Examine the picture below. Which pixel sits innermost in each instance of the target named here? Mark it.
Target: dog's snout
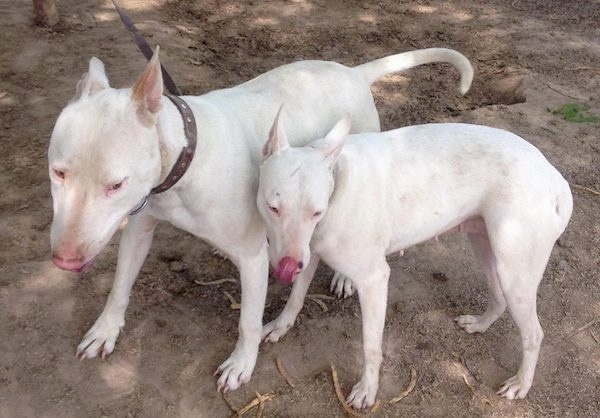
(70, 261)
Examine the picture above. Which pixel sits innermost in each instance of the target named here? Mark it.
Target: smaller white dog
(383, 192)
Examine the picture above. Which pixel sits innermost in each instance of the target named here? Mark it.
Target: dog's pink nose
(287, 268)
(75, 265)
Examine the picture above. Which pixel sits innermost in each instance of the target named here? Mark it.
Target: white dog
(383, 192)
(111, 147)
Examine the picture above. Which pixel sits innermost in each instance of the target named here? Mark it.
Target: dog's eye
(113, 187)
(116, 186)
(317, 214)
(59, 173)
(274, 210)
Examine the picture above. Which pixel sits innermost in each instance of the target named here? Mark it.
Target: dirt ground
(178, 331)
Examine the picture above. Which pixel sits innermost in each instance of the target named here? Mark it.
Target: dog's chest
(181, 211)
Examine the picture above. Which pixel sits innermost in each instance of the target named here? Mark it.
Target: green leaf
(577, 113)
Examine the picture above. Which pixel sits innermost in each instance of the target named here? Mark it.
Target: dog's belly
(475, 225)
(471, 225)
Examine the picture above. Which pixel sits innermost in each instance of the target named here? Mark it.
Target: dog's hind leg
(496, 303)
(277, 328)
(341, 286)
(522, 306)
(372, 292)
(520, 265)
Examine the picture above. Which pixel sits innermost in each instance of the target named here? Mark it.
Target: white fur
(111, 146)
(387, 191)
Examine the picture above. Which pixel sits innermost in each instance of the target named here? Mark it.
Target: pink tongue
(286, 269)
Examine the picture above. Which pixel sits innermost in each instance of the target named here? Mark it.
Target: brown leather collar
(185, 156)
(187, 153)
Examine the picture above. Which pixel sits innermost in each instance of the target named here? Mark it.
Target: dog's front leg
(133, 249)
(277, 328)
(372, 293)
(254, 276)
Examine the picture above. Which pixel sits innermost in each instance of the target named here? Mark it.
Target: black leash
(189, 122)
(142, 44)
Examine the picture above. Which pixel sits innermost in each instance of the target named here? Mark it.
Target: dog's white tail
(374, 70)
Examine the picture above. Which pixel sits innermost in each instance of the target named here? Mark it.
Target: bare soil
(530, 57)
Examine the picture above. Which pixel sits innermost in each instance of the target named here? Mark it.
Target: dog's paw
(341, 286)
(472, 323)
(235, 371)
(514, 388)
(276, 329)
(362, 395)
(101, 338)
(219, 253)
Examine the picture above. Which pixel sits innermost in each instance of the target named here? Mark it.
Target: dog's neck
(171, 137)
(338, 179)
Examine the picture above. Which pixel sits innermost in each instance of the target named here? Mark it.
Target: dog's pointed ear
(94, 80)
(277, 141)
(331, 146)
(148, 89)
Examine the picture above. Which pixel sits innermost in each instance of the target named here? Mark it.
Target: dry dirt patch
(178, 332)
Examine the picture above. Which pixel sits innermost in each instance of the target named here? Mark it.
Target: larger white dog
(384, 192)
(110, 147)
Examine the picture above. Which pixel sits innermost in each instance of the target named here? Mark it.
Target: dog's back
(438, 175)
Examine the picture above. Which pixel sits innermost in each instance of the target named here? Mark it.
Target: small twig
(340, 395)
(475, 394)
(261, 405)
(409, 388)
(317, 298)
(463, 361)
(260, 410)
(234, 305)
(587, 189)
(594, 337)
(548, 130)
(256, 401)
(215, 282)
(464, 376)
(583, 327)
(375, 407)
(283, 373)
(586, 68)
(320, 296)
(229, 404)
(318, 302)
(564, 94)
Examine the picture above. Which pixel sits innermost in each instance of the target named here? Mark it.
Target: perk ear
(94, 80)
(277, 141)
(148, 90)
(331, 146)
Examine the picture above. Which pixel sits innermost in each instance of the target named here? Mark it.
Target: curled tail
(374, 70)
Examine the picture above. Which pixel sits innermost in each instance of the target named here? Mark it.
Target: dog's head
(103, 160)
(295, 185)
